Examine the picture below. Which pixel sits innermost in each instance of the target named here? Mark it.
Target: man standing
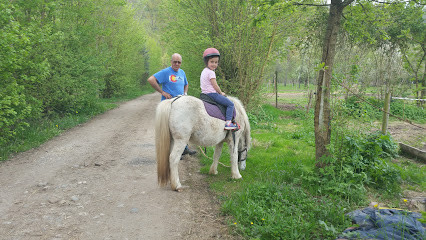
(173, 83)
(172, 79)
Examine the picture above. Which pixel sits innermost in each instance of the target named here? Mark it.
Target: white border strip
(411, 99)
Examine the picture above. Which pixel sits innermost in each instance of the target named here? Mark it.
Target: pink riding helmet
(209, 52)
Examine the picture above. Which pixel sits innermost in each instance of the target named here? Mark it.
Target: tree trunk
(386, 109)
(423, 93)
(322, 118)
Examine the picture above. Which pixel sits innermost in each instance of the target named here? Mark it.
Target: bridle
(240, 153)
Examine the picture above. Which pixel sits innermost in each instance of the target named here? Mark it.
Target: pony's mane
(242, 119)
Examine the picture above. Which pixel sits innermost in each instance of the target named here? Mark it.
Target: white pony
(184, 120)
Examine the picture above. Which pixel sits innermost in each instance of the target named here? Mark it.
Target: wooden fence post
(276, 89)
(386, 109)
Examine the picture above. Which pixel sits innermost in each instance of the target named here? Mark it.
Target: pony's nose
(242, 165)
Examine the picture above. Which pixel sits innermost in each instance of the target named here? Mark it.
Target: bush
(14, 110)
(356, 163)
(367, 155)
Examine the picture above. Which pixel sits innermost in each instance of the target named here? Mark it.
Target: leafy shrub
(357, 108)
(13, 110)
(336, 179)
(367, 155)
(355, 164)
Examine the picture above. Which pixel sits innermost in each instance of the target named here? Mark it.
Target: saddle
(213, 108)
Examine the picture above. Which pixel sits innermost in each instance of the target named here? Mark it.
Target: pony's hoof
(237, 176)
(180, 188)
(213, 172)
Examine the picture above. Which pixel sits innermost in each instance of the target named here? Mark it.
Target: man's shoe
(188, 151)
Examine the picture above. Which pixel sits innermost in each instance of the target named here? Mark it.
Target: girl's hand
(223, 94)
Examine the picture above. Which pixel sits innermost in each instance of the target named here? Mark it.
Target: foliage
(154, 57)
(396, 32)
(423, 219)
(58, 58)
(407, 110)
(240, 30)
(40, 130)
(14, 110)
(357, 154)
(369, 109)
(366, 155)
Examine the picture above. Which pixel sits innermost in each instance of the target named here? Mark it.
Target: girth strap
(176, 98)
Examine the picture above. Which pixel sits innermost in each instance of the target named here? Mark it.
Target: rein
(239, 152)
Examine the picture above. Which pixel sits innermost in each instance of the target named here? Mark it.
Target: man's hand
(166, 95)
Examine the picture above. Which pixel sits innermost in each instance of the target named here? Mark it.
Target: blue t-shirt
(171, 81)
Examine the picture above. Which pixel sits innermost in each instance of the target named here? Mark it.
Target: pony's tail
(162, 141)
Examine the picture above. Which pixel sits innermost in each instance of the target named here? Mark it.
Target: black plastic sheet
(395, 224)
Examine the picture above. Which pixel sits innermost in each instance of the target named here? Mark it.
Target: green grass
(413, 173)
(42, 130)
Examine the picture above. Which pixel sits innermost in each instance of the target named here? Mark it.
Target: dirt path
(98, 181)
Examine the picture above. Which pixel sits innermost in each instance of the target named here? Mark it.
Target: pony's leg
(175, 155)
(233, 151)
(216, 156)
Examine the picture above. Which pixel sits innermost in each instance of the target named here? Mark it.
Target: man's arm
(153, 81)
(185, 90)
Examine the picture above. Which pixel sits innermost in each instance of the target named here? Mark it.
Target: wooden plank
(412, 151)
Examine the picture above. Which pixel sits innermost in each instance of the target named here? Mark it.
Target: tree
(394, 28)
(408, 32)
(322, 120)
(247, 33)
